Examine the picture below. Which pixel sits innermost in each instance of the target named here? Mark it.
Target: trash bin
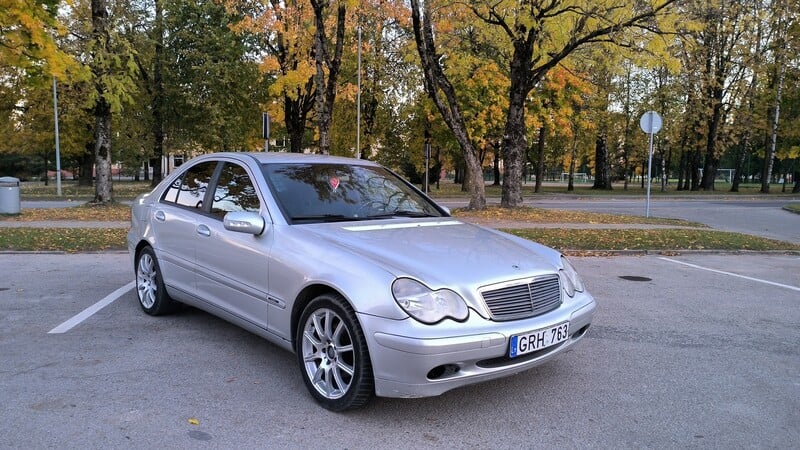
(9, 195)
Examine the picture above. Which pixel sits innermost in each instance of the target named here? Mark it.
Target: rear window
(190, 189)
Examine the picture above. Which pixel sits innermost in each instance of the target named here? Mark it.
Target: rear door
(175, 220)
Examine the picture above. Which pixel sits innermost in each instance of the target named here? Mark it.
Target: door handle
(203, 230)
(160, 216)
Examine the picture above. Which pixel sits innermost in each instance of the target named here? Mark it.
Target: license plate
(537, 340)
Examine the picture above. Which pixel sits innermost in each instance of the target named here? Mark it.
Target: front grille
(524, 300)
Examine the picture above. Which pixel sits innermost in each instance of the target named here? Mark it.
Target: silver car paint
(360, 260)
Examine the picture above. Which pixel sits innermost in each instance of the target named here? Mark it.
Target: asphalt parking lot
(686, 351)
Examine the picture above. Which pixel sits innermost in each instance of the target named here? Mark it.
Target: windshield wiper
(400, 213)
(322, 218)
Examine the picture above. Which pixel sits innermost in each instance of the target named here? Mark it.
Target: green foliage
(27, 31)
(212, 85)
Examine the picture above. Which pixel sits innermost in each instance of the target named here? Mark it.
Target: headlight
(426, 305)
(572, 281)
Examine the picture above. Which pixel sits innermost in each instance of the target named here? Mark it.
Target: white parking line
(786, 286)
(90, 311)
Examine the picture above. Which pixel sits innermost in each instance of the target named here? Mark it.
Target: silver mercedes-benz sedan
(374, 287)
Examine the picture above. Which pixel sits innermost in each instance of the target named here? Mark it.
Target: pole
(58, 146)
(265, 130)
(649, 164)
(427, 163)
(358, 98)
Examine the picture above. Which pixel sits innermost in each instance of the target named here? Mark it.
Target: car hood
(441, 252)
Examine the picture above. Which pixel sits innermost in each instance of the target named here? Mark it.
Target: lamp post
(58, 146)
(358, 97)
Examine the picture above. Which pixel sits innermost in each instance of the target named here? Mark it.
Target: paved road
(691, 358)
(764, 218)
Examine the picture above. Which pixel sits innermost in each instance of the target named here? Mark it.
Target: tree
(101, 55)
(543, 34)
(327, 62)
(785, 24)
(27, 31)
(443, 94)
(286, 30)
(539, 35)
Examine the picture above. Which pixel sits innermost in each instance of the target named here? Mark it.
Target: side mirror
(244, 222)
(446, 209)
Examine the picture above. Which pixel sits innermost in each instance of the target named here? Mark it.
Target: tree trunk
(744, 150)
(573, 155)
(739, 163)
(515, 140)
(681, 169)
(770, 157)
(540, 145)
(628, 114)
(644, 172)
(602, 178)
(796, 177)
(436, 85)
(496, 168)
(711, 158)
(326, 89)
(102, 109)
(368, 116)
(102, 151)
(86, 161)
(158, 96)
(466, 180)
(694, 169)
(296, 111)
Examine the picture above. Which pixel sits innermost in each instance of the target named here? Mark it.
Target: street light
(58, 146)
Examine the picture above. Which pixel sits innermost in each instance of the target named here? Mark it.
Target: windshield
(311, 193)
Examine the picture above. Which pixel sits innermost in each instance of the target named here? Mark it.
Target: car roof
(293, 158)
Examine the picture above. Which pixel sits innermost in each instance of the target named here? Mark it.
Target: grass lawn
(71, 240)
(662, 239)
(793, 207)
(546, 215)
(123, 190)
(115, 212)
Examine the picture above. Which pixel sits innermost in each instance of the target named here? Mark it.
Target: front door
(232, 266)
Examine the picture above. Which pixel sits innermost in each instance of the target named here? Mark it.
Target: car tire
(332, 354)
(153, 297)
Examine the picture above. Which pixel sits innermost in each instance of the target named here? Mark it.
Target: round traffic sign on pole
(650, 122)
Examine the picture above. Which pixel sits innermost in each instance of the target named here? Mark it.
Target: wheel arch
(139, 247)
(305, 296)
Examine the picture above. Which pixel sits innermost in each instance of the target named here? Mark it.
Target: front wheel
(333, 355)
(153, 297)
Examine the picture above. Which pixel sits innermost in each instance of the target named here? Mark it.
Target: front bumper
(449, 355)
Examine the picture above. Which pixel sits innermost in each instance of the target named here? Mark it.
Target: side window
(190, 189)
(235, 192)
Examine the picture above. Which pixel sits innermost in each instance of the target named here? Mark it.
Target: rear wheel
(153, 297)
(333, 355)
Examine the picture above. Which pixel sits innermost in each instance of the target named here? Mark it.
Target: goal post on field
(579, 177)
(725, 175)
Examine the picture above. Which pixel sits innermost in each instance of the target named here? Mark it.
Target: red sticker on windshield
(334, 182)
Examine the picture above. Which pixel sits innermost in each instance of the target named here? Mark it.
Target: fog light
(442, 371)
